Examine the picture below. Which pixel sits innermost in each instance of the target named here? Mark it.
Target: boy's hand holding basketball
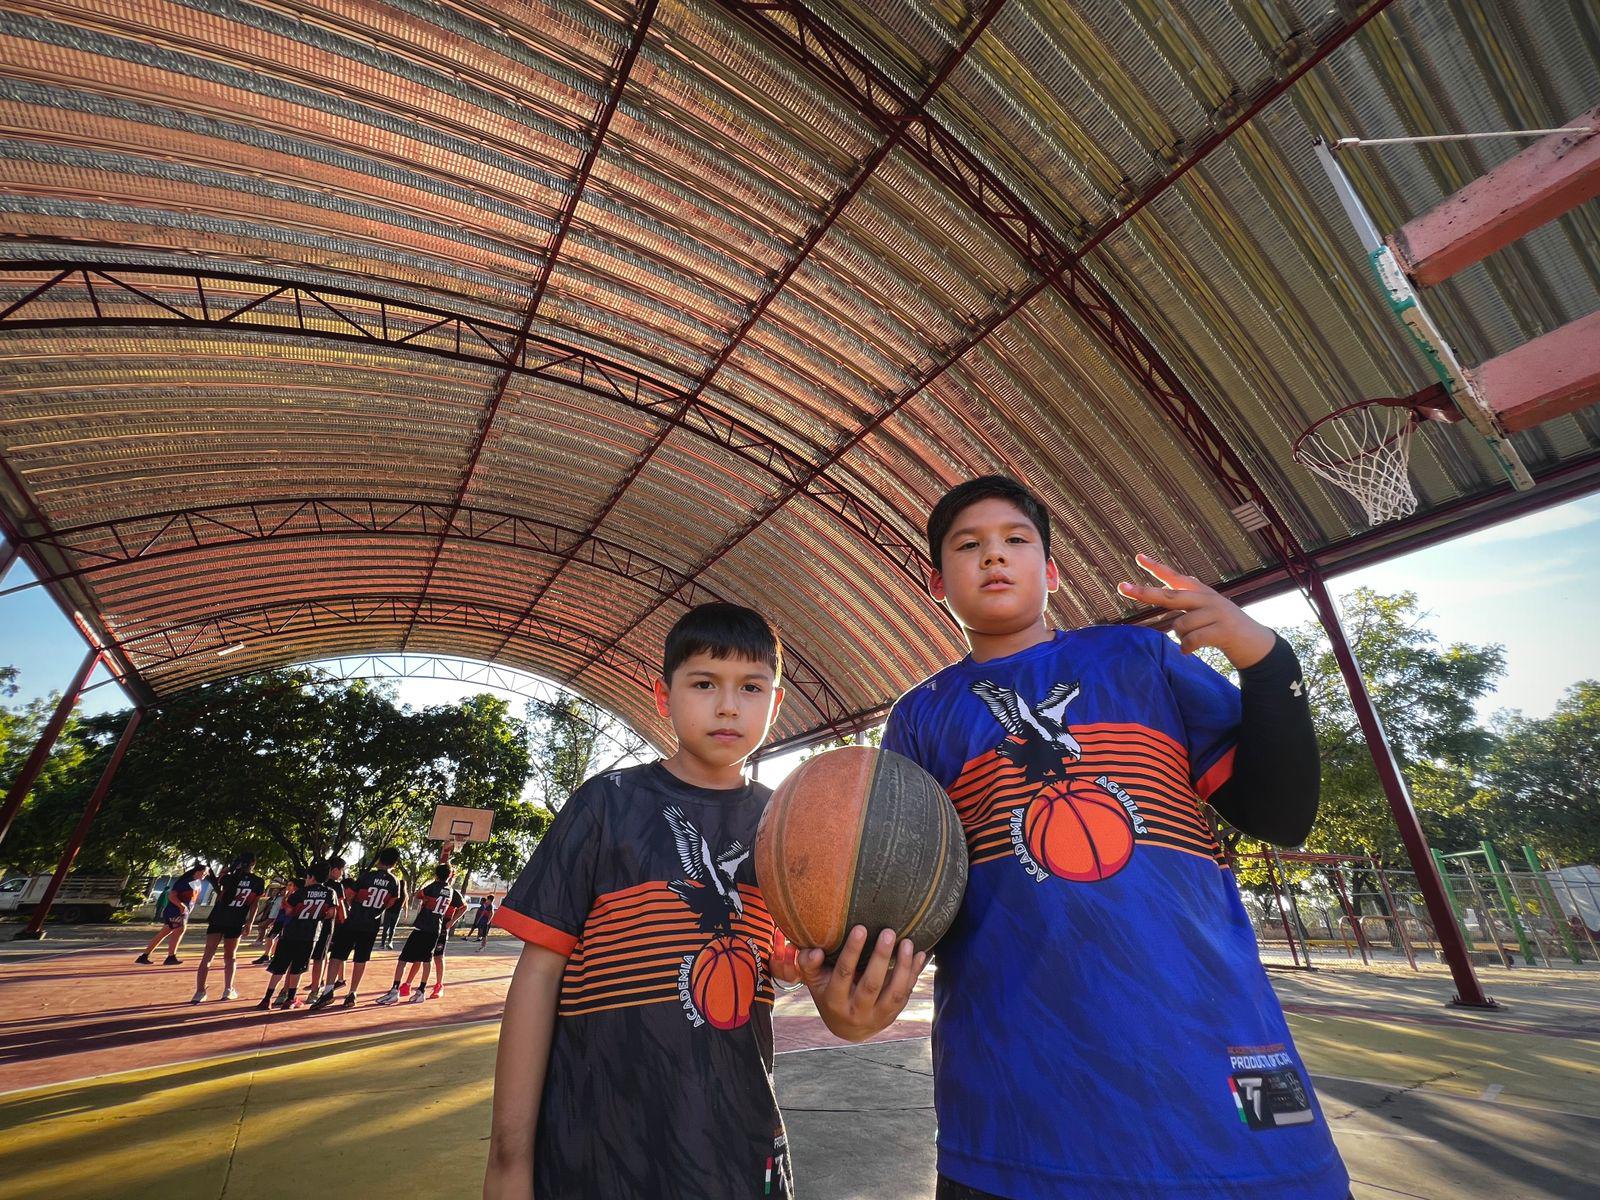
(1206, 617)
(855, 1005)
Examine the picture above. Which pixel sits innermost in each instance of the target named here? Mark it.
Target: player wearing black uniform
(438, 906)
(304, 906)
(331, 917)
(238, 892)
(367, 901)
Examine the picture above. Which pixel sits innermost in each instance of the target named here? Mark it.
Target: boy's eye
(754, 688)
(967, 545)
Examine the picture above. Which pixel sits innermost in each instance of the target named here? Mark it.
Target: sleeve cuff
(525, 927)
(1216, 775)
(1280, 665)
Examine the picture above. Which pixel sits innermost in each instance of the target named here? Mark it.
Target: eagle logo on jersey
(718, 984)
(1037, 740)
(717, 902)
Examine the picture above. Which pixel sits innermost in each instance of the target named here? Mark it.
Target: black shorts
(319, 948)
(422, 945)
(290, 958)
(353, 939)
(227, 926)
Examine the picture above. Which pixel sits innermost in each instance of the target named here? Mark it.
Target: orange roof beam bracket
(1555, 374)
(1549, 178)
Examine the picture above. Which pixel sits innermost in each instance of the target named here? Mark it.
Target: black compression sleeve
(1277, 772)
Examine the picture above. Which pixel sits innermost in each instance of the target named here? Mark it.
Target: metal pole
(1469, 992)
(1283, 913)
(8, 555)
(35, 929)
(1498, 874)
(47, 740)
(1486, 913)
(1394, 912)
(1558, 916)
(1351, 913)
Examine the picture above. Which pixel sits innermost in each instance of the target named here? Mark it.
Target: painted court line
(241, 1055)
(1492, 1092)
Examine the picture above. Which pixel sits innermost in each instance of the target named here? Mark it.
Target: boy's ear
(936, 584)
(663, 701)
(1052, 575)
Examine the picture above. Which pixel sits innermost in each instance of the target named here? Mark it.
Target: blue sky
(1531, 585)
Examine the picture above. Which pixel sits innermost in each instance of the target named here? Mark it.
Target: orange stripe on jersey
(1221, 771)
(537, 932)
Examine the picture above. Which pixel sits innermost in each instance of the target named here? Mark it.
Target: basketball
(722, 982)
(1077, 831)
(858, 836)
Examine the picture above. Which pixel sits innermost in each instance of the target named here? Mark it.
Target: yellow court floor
(364, 1115)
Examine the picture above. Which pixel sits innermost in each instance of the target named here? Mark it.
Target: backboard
(454, 824)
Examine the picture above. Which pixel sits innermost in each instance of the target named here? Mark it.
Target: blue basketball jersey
(1103, 1027)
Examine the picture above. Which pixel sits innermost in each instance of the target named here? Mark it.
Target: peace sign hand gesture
(1207, 618)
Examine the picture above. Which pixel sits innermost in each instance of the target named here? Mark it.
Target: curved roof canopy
(507, 330)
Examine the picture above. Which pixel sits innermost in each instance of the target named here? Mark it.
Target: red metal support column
(35, 928)
(1469, 992)
(8, 555)
(23, 783)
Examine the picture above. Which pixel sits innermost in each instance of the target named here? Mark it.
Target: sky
(1531, 585)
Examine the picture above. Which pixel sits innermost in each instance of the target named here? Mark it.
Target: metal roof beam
(602, 123)
(842, 201)
(288, 309)
(830, 57)
(842, 66)
(156, 537)
(1555, 374)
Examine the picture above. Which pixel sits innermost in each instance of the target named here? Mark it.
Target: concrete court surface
(1424, 1101)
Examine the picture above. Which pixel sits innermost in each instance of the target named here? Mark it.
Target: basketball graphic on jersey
(723, 980)
(1076, 830)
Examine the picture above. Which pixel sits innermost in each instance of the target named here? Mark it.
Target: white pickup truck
(81, 898)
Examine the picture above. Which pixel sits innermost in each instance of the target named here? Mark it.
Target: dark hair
(388, 856)
(442, 872)
(318, 871)
(985, 487)
(243, 859)
(722, 631)
(335, 861)
(203, 868)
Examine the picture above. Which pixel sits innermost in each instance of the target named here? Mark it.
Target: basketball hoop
(1365, 448)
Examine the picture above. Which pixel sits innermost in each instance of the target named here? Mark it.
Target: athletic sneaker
(334, 987)
(437, 992)
(350, 1000)
(172, 960)
(392, 996)
(145, 959)
(266, 1001)
(287, 1001)
(405, 989)
(419, 997)
(324, 998)
(263, 960)
(199, 998)
(230, 994)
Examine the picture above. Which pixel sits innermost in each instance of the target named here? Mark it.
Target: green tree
(572, 739)
(1542, 782)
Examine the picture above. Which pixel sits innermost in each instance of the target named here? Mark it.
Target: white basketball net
(1367, 452)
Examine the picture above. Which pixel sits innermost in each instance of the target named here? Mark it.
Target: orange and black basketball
(722, 981)
(858, 836)
(1077, 831)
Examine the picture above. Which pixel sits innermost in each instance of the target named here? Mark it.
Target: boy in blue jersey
(1103, 1028)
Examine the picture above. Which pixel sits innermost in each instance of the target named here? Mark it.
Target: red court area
(85, 1013)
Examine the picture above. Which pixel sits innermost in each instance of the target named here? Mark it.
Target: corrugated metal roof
(355, 403)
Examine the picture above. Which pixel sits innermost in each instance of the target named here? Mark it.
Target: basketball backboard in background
(457, 825)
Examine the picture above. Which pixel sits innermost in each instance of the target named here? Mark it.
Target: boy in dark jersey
(332, 916)
(636, 1047)
(367, 899)
(303, 910)
(238, 893)
(1103, 1028)
(174, 916)
(438, 905)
